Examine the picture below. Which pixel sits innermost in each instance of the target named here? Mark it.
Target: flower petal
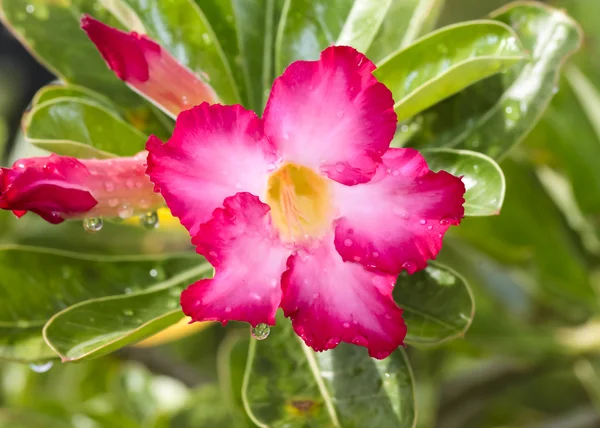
(330, 301)
(52, 187)
(147, 68)
(397, 221)
(332, 115)
(249, 260)
(215, 151)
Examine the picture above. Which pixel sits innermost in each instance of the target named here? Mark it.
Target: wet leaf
(447, 61)
(481, 175)
(437, 304)
(362, 23)
(492, 116)
(29, 297)
(96, 327)
(81, 128)
(287, 383)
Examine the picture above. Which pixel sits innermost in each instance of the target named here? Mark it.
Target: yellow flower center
(300, 202)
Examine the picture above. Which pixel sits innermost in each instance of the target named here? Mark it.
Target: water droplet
(261, 331)
(125, 211)
(357, 258)
(206, 38)
(422, 221)
(396, 172)
(113, 202)
(127, 312)
(184, 100)
(316, 296)
(129, 184)
(274, 282)
(346, 325)
(30, 8)
(348, 242)
(375, 254)
(404, 128)
(109, 186)
(340, 113)
(509, 110)
(555, 90)
(430, 227)
(445, 221)
(409, 266)
(153, 273)
(128, 290)
(149, 220)
(442, 49)
(271, 166)
(41, 367)
(92, 224)
(340, 167)
(228, 309)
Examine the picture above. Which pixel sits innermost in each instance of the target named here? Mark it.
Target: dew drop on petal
(430, 227)
(41, 367)
(228, 309)
(348, 242)
(113, 202)
(109, 186)
(261, 331)
(375, 254)
(346, 325)
(340, 167)
(125, 211)
(409, 266)
(92, 224)
(316, 296)
(422, 221)
(149, 220)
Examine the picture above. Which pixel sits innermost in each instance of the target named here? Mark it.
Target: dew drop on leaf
(92, 224)
(261, 331)
(41, 367)
(149, 220)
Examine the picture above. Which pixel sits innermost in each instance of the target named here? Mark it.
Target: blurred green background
(531, 357)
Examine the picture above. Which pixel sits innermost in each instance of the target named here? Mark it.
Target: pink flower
(306, 208)
(147, 68)
(61, 187)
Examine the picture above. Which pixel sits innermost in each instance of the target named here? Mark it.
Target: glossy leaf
(181, 27)
(99, 326)
(362, 23)
(405, 21)
(81, 128)
(447, 61)
(437, 304)
(29, 297)
(50, 31)
(306, 28)
(53, 91)
(287, 384)
(494, 115)
(481, 175)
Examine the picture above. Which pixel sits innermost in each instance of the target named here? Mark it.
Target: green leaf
(287, 384)
(437, 302)
(482, 177)
(495, 114)
(306, 28)
(50, 31)
(181, 27)
(447, 61)
(53, 91)
(99, 326)
(362, 23)
(30, 296)
(81, 128)
(405, 21)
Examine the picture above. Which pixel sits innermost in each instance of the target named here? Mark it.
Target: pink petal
(215, 151)
(249, 260)
(147, 68)
(332, 115)
(62, 187)
(52, 187)
(121, 186)
(397, 221)
(330, 301)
